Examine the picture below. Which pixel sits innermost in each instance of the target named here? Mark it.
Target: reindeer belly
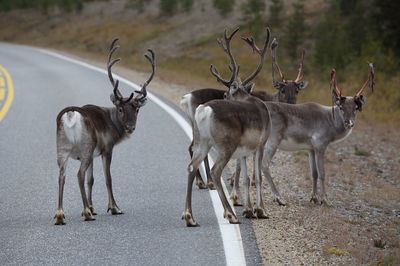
(291, 144)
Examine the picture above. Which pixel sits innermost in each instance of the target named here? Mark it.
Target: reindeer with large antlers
(312, 127)
(235, 129)
(189, 103)
(90, 131)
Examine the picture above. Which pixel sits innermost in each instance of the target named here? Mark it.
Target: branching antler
(370, 80)
(143, 92)
(226, 46)
(110, 64)
(274, 44)
(250, 41)
(300, 75)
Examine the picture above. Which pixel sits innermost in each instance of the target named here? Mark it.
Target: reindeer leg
(89, 182)
(252, 181)
(247, 210)
(259, 210)
(112, 205)
(236, 174)
(210, 182)
(199, 181)
(219, 165)
(81, 180)
(319, 159)
(236, 186)
(314, 173)
(199, 155)
(59, 216)
(272, 145)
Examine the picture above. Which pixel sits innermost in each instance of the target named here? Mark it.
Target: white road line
(231, 237)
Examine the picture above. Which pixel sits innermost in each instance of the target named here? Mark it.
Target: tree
(295, 29)
(224, 6)
(275, 11)
(253, 16)
(168, 7)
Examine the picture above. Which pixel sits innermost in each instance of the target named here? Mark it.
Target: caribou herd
(236, 122)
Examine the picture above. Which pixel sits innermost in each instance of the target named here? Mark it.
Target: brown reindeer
(90, 131)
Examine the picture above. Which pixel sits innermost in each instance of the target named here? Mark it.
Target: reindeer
(312, 127)
(287, 92)
(90, 131)
(235, 128)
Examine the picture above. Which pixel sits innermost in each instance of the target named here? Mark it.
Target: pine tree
(295, 30)
(253, 16)
(275, 11)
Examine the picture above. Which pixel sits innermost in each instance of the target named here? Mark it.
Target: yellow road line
(10, 93)
(2, 93)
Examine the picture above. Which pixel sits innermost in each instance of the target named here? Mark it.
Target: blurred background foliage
(335, 33)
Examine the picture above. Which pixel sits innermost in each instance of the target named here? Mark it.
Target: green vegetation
(336, 251)
(224, 6)
(360, 152)
(342, 34)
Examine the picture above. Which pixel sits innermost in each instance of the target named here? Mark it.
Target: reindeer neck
(337, 121)
(117, 128)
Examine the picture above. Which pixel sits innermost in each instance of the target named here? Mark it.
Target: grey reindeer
(287, 92)
(312, 127)
(90, 131)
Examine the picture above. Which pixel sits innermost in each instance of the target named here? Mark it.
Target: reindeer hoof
(248, 213)
(92, 210)
(280, 201)
(231, 217)
(59, 216)
(88, 214)
(200, 184)
(235, 200)
(259, 213)
(190, 222)
(210, 185)
(314, 199)
(115, 210)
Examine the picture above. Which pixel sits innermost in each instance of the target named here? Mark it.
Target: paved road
(148, 171)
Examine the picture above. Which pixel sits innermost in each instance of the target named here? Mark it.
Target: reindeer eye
(120, 109)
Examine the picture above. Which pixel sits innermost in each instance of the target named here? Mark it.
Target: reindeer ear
(302, 84)
(249, 87)
(142, 102)
(277, 85)
(114, 99)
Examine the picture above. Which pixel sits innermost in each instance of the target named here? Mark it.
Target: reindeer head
(237, 88)
(349, 106)
(128, 107)
(288, 89)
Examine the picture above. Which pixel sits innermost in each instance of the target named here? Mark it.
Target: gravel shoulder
(361, 226)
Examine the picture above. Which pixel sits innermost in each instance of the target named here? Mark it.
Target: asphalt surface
(149, 180)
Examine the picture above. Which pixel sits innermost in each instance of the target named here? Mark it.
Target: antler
(370, 80)
(226, 46)
(110, 64)
(334, 88)
(301, 73)
(151, 58)
(250, 41)
(274, 44)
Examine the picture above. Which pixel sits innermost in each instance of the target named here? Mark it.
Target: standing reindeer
(235, 128)
(312, 127)
(287, 92)
(90, 131)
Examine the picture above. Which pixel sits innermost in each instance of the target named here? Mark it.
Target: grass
(361, 152)
(336, 251)
(190, 66)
